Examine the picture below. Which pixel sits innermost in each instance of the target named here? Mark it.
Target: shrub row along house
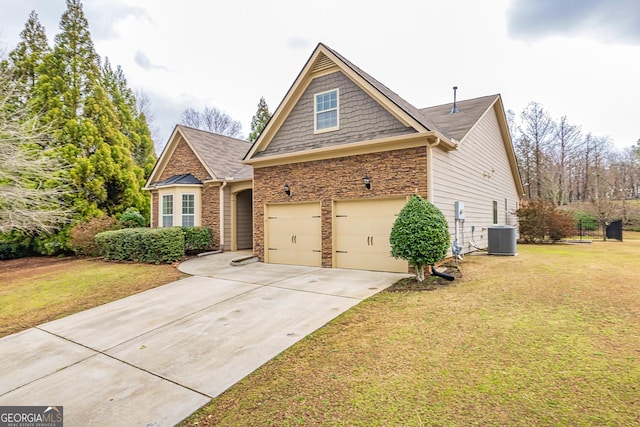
(338, 160)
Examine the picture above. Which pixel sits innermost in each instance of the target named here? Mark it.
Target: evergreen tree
(133, 123)
(31, 183)
(260, 120)
(24, 61)
(86, 128)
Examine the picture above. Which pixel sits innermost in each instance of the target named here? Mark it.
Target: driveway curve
(154, 358)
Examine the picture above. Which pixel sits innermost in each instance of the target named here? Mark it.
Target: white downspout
(224, 184)
(151, 210)
(430, 168)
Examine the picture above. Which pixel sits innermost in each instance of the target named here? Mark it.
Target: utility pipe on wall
(430, 146)
(224, 184)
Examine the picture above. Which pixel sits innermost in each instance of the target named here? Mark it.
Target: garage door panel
(294, 234)
(362, 229)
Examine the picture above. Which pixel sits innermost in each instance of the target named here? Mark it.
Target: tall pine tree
(87, 130)
(25, 60)
(260, 120)
(133, 123)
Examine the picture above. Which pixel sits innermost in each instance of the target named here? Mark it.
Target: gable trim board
(424, 158)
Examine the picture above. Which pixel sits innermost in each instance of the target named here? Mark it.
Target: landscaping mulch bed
(431, 283)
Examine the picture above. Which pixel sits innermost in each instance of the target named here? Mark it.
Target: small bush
(15, 245)
(149, 245)
(82, 236)
(197, 239)
(539, 219)
(132, 218)
(420, 235)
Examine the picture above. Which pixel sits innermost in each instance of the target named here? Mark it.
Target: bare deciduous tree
(31, 190)
(213, 120)
(537, 128)
(563, 152)
(143, 104)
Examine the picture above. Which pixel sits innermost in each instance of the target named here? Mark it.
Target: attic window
(326, 111)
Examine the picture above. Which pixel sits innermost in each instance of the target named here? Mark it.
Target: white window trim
(315, 111)
(162, 214)
(195, 208)
(177, 192)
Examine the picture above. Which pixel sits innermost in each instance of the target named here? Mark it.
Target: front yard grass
(43, 289)
(548, 337)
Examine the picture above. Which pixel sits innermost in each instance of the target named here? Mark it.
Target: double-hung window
(188, 210)
(326, 111)
(167, 210)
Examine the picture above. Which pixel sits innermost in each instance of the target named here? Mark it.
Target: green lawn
(550, 337)
(40, 289)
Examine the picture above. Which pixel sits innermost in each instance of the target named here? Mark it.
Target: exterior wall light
(287, 190)
(367, 182)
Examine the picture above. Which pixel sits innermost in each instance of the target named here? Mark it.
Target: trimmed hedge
(150, 245)
(153, 245)
(197, 239)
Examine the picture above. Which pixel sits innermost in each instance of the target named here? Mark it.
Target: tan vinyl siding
(227, 217)
(244, 220)
(476, 174)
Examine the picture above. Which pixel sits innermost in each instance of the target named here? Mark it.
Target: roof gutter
(224, 184)
(430, 145)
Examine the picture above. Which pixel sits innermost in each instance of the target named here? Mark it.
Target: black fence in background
(614, 230)
(590, 229)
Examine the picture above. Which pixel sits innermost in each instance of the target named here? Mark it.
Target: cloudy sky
(579, 58)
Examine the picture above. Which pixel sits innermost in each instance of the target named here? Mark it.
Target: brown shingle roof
(222, 154)
(457, 125)
(391, 95)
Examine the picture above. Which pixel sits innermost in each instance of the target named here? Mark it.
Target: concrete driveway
(154, 358)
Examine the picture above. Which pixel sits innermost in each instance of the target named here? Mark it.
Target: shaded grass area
(548, 337)
(39, 290)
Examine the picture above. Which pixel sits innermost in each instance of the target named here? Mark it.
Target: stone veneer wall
(183, 161)
(392, 173)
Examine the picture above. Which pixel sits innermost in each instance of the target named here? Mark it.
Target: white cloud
(611, 20)
(145, 63)
(229, 54)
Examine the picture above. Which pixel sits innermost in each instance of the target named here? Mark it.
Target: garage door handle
(371, 240)
(342, 252)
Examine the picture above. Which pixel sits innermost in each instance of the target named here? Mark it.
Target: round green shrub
(420, 235)
(132, 218)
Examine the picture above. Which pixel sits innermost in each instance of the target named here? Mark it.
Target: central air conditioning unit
(502, 240)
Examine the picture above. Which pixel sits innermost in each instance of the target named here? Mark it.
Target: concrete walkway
(154, 358)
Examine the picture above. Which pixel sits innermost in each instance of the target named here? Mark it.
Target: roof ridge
(459, 101)
(211, 133)
(388, 93)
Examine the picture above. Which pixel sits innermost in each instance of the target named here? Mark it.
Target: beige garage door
(293, 234)
(361, 230)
